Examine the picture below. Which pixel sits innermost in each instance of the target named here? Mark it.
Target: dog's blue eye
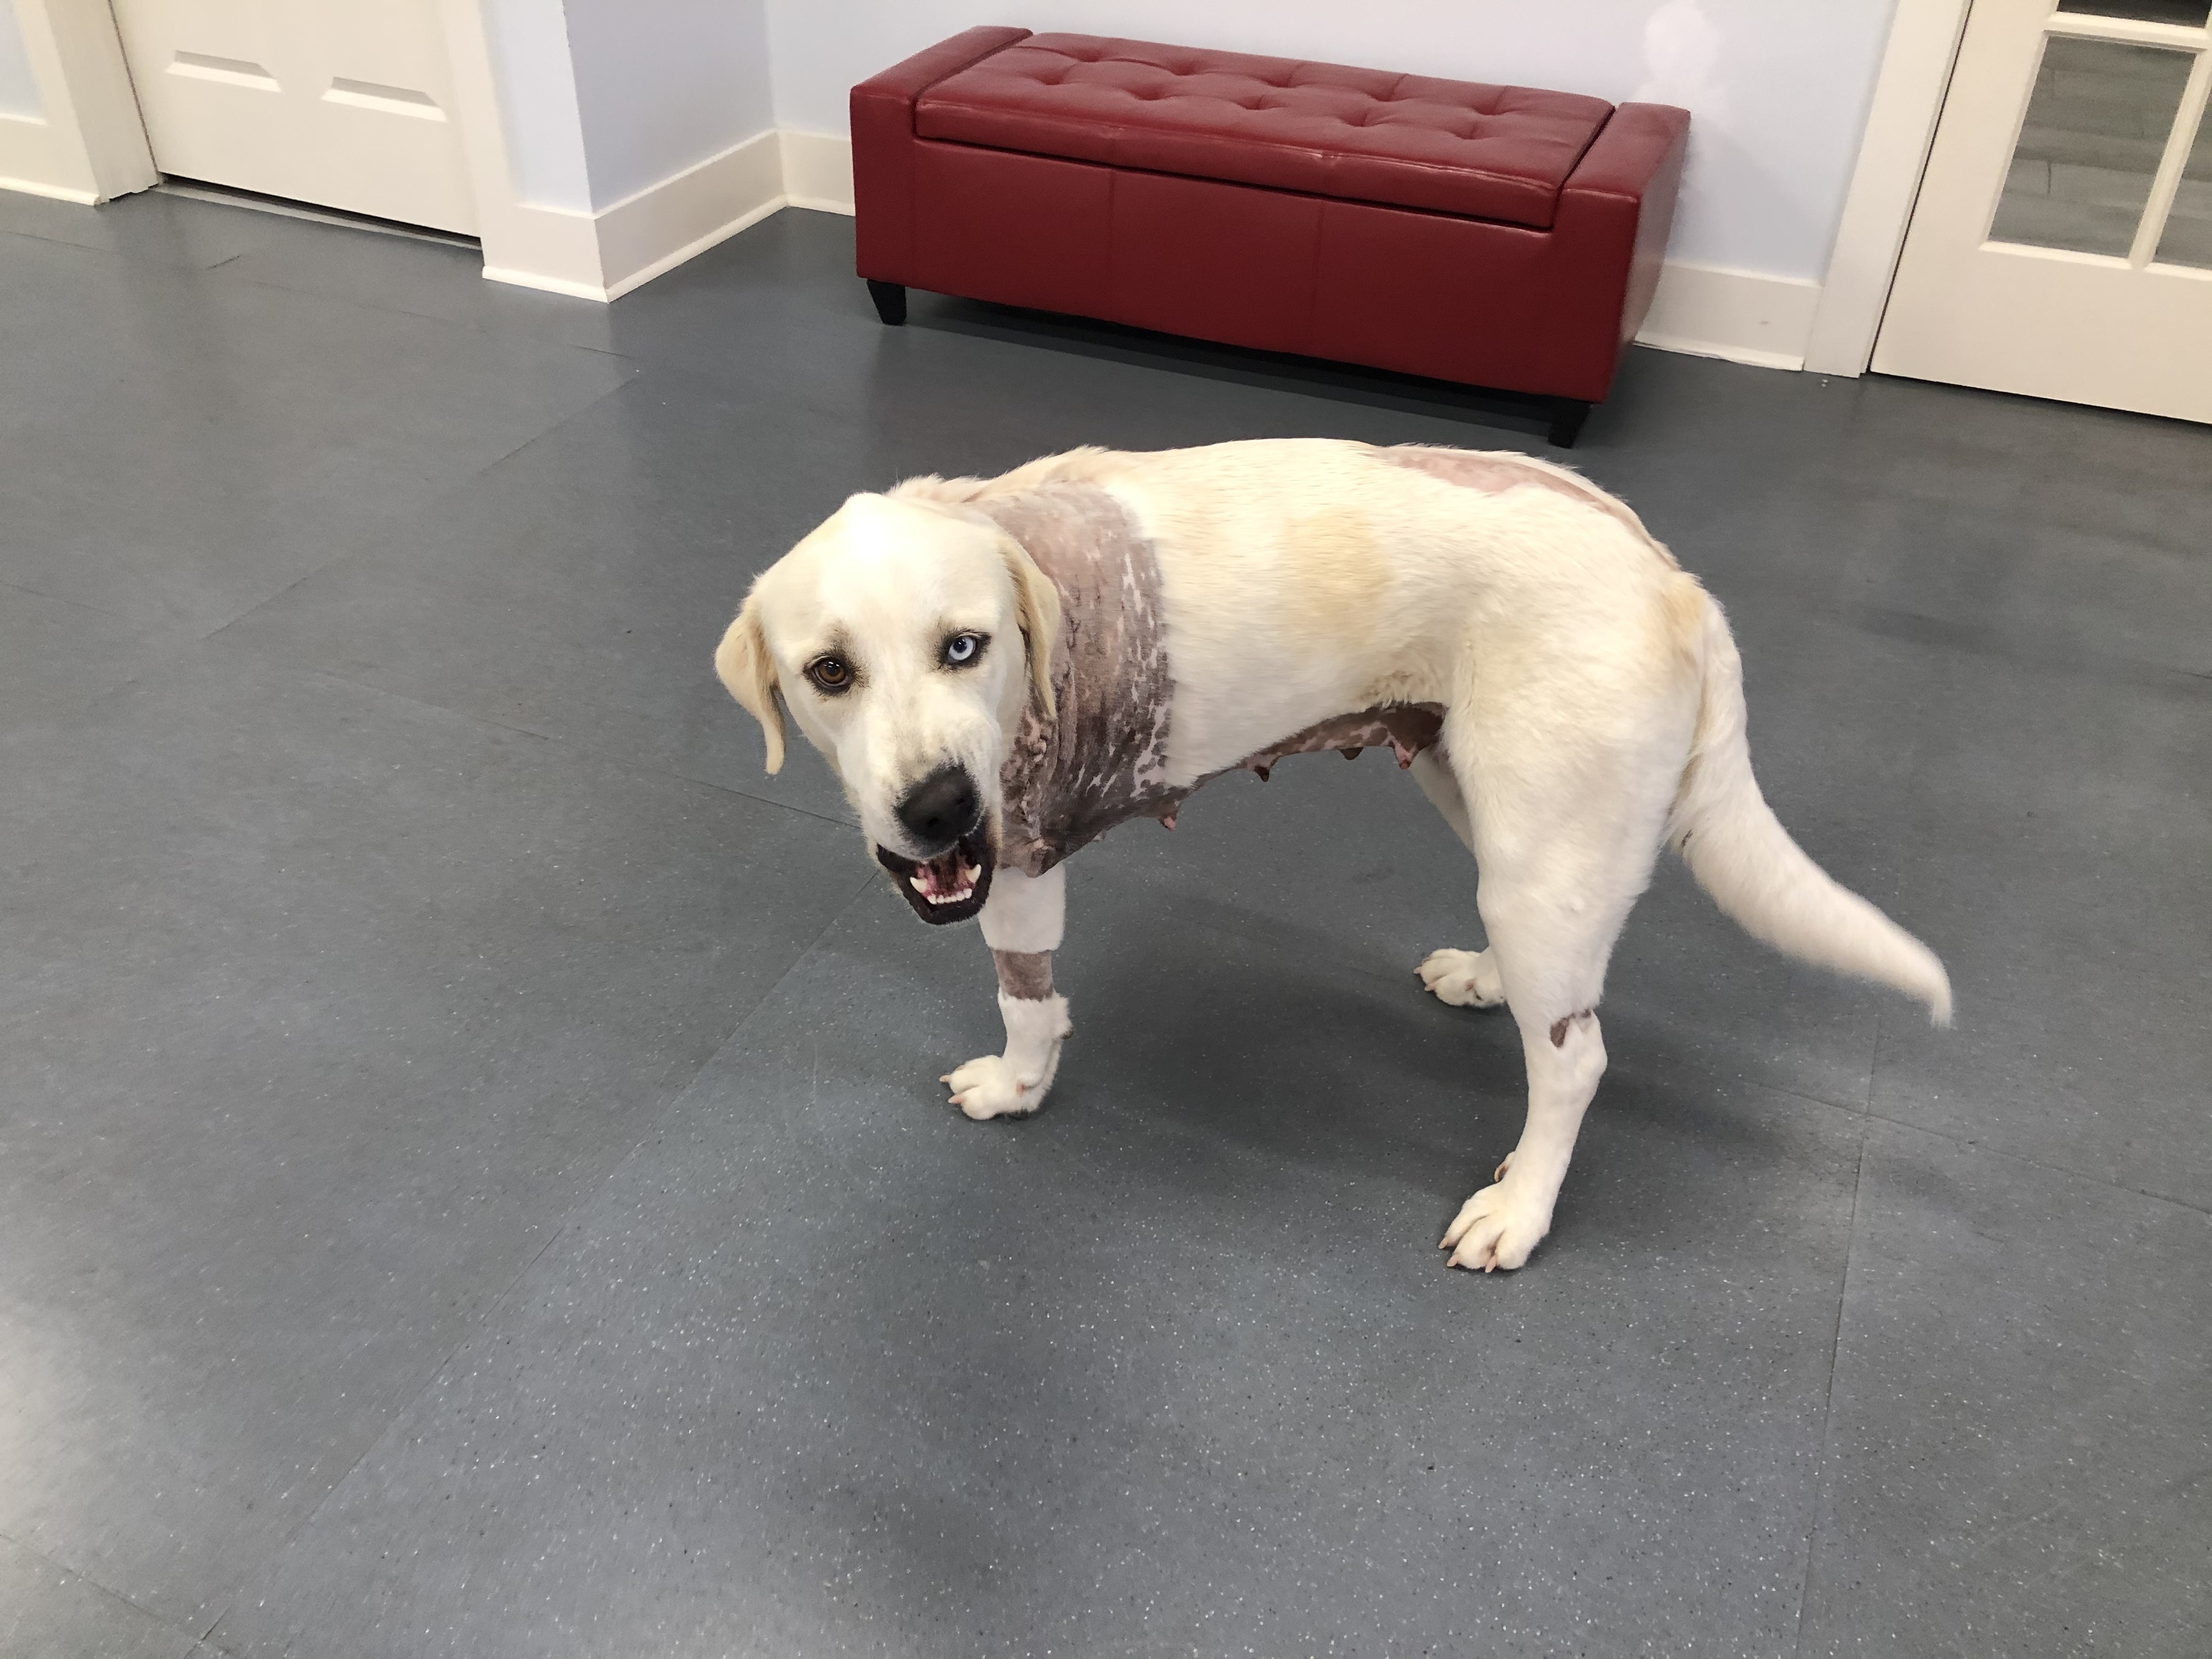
(961, 649)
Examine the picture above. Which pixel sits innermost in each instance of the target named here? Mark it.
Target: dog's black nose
(941, 808)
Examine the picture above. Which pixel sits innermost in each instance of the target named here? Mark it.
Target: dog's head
(905, 637)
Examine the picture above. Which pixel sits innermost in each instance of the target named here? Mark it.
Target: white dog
(1000, 670)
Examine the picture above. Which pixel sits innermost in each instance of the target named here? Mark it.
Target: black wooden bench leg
(1568, 415)
(891, 302)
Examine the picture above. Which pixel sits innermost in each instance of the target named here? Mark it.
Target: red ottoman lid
(1365, 135)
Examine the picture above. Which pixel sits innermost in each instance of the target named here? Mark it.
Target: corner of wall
(663, 225)
(817, 170)
(604, 255)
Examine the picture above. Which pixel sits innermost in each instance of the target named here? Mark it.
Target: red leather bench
(1496, 236)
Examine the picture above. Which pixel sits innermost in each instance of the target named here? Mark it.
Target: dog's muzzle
(950, 886)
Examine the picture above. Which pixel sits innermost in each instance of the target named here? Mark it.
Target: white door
(2061, 243)
(343, 103)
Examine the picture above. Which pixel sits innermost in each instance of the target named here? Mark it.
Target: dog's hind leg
(1567, 824)
(1466, 979)
(1023, 919)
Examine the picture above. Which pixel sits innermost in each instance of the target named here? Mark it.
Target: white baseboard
(36, 160)
(664, 224)
(1745, 316)
(52, 193)
(604, 255)
(1704, 310)
(547, 282)
(817, 170)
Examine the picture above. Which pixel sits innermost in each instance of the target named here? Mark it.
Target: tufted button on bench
(1496, 236)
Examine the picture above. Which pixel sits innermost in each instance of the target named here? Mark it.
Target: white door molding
(90, 146)
(86, 143)
(1908, 98)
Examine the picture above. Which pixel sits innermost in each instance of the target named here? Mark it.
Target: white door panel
(344, 103)
(2062, 242)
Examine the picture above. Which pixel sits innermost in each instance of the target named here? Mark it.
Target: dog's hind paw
(988, 1087)
(1466, 979)
(1496, 1228)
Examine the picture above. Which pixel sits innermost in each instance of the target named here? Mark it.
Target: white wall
(536, 87)
(662, 85)
(19, 87)
(636, 133)
(1778, 89)
(601, 99)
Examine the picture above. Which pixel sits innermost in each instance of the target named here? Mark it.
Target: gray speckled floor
(472, 1180)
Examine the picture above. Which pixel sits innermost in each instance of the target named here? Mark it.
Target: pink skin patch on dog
(1496, 473)
(1025, 975)
(1103, 759)
(1405, 728)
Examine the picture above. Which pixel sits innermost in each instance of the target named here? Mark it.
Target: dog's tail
(1741, 854)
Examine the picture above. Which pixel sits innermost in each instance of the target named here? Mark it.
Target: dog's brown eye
(830, 674)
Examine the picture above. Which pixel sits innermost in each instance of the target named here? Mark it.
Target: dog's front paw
(989, 1088)
(1496, 1228)
(1466, 979)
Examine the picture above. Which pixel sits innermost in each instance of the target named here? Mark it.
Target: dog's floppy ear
(743, 661)
(1038, 601)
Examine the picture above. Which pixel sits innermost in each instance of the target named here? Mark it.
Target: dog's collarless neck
(1102, 759)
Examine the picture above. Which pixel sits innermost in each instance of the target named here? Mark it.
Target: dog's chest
(1103, 760)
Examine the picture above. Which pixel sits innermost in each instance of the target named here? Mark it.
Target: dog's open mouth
(950, 887)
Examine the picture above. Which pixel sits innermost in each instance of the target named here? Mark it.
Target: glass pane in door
(2097, 124)
(2190, 14)
(2187, 238)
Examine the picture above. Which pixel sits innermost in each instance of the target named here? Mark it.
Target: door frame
(91, 145)
(1900, 131)
(87, 144)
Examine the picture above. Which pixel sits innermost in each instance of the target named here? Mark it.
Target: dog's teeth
(920, 885)
(970, 873)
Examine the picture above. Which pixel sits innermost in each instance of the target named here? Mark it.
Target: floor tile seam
(2043, 1164)
(1825, 1454)
(352, 301)
(402, 1405)
(1980, 640)
(63, 598)
(1845, 1107)
(1388, 976)
(613, 758)
(367, 539)
(106, 1590)
(104, 253)
(609, 756)
(80, 705)
(639, 363)
(499, 1302)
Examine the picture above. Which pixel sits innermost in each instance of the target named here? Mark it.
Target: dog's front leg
(1022, 922)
